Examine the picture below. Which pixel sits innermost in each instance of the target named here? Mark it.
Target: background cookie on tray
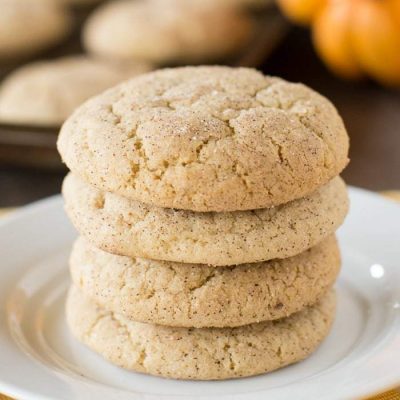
(45, 93)
(30, 26)
(166, 31)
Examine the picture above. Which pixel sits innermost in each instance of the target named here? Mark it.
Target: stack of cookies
(207, 199)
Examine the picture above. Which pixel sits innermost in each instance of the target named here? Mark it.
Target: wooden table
(371, 114)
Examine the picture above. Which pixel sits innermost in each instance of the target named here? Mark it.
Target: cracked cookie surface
(207, 353)
(127, 227)
(206, 139)
(191, 295)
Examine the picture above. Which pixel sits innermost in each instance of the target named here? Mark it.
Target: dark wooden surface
(371, 114)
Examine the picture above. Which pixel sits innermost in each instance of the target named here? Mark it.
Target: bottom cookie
(204, 353)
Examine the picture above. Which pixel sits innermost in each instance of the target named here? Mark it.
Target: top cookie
(206, 139)
(166, 31)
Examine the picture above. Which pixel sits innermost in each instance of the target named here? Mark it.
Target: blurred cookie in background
(30, 26)
(167, 31)
(45, 93)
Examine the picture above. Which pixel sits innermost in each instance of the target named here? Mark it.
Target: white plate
(40, 360)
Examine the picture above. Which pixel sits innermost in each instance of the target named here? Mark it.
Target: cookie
(126, 227)
(30, 26)
(164, 32)
(46, 93)
(206, 139)
(207, 353)
(193, 295)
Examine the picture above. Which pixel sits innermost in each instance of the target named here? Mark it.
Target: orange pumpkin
(359, 37)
